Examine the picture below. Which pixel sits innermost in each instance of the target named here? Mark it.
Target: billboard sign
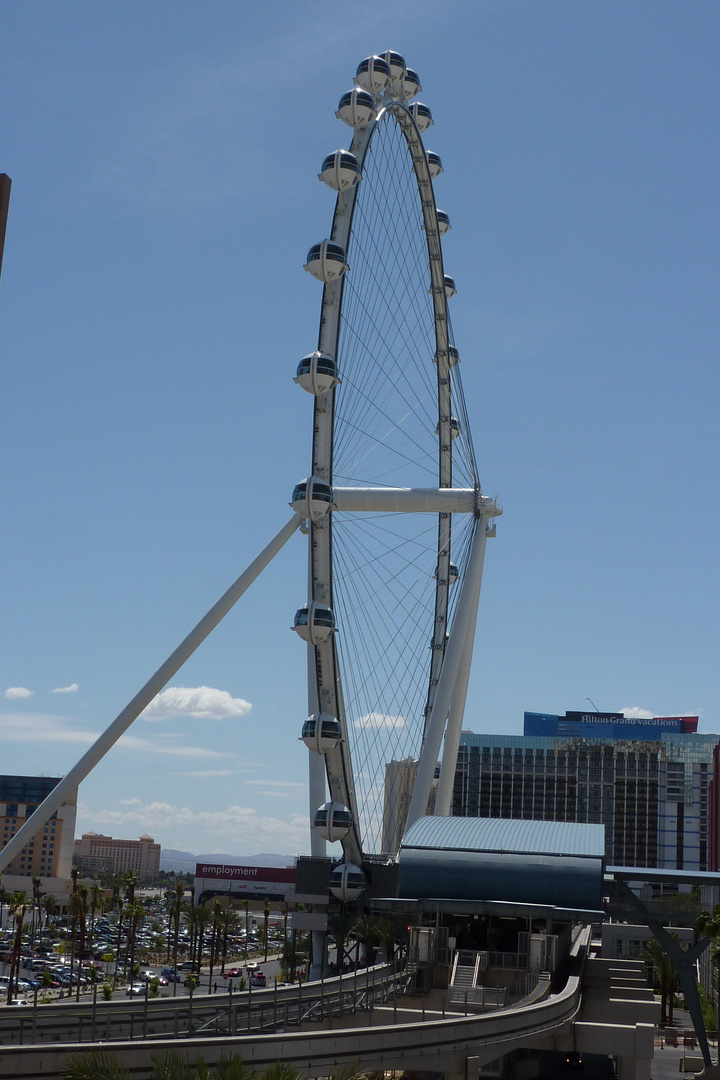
(247, 880)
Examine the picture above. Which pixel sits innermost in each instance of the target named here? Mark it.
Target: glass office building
(646, 781)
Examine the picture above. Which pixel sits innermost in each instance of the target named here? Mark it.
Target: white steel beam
(459, 692)
(153, 686)
(436, 721)
(412, 500)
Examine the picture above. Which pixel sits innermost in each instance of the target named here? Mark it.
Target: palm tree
(49, 906)
(136, 913)
(76, 911)
(266, 916)
(18, 907)
(36, 883)
(129, 880)
(229, 919)
(202, 919)
(367, 930)
(117, 901)
(179, 892)
(246, 907)
(82, 893)
(665, 975)
(97, 900)
(708, 925)
(74, 872)
(340, 924)
(216, 911)
(190, 913)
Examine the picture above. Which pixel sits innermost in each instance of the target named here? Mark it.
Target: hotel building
(646, 780)
(98, 854)
(49, 852)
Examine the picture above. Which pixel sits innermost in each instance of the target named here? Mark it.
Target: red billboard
(251, 880)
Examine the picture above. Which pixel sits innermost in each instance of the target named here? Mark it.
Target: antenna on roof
(593, 705)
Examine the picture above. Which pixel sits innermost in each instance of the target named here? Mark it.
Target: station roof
(528, 864)
(507, 836)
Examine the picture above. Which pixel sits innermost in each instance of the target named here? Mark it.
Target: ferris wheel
(396, 519)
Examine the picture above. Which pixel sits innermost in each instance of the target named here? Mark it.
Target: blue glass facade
(649, 788)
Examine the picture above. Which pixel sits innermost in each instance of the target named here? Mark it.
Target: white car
(136, 990)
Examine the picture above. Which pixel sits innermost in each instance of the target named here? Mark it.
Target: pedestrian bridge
(388, 1033)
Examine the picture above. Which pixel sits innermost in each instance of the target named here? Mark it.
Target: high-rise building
(98, 854)
(399, 781)
(49, 852)
(646, 780)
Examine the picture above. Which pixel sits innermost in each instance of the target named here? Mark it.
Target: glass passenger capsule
(332, 821)
(326, 261)
(452, 354)
(411, 83)
(321, 732)
(453, 573)
(356, 108)
(312, 498)
(396, 64)
(340, 170)
(455, 428)
(421, 115)
(347, 882)
(373, 74)
(443, 221)
(435, 165)
(317, 373)
(450, 289)
(314, 622)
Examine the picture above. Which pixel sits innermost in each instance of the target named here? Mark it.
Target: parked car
(136, 990)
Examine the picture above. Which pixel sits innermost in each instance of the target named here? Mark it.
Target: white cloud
(202, 774)
(279, 783)
(238, 827)
(14, 693)
(71, 689)
(379, 720)
(40, 727)
(45, 728)
(637, 714)
(200, 702)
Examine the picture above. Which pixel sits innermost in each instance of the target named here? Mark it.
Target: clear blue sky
(153, 308)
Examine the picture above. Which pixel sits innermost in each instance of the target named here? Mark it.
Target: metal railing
(229, 1014)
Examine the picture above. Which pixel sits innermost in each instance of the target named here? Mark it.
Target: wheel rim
(392, 421)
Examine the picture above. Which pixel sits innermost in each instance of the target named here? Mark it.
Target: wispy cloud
(237, 826)
(200, 702)
(204, 773)
(279, 783)
(45, 728)
(379, 720)
(637, 714)
(16, 693)
(71, 689)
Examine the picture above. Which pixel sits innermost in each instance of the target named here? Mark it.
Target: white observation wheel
(393, 503)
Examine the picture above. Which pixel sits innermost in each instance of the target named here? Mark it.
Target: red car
(233, 973)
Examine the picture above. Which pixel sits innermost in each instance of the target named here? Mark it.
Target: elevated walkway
(406, 1038)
